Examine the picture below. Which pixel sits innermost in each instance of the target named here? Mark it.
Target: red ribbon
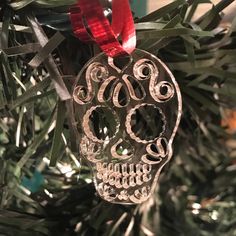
(90, 13)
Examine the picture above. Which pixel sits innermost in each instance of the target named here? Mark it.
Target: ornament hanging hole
(120, 63)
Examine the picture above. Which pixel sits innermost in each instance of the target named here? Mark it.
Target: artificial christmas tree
(46, 187)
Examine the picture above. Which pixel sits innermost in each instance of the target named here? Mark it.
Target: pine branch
(197, 189)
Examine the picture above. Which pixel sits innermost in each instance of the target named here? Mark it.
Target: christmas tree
(46, 187)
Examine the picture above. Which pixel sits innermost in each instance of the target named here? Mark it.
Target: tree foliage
(46, 188)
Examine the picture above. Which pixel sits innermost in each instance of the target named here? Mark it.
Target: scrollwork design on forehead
(120, 96)
(106, 88)
(161, 91)
(127, 88)
(145, 69)
(95, 72)
(135, 88)
(120, 90)
(112, 90)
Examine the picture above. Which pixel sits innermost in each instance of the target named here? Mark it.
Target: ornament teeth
(124, 170)
(117, 168)
(104, 166)
(125, 183)
(112, 180)
(139, 169)
(123, 175)
(105, 177)
(147, 168)
(132, 181)
(131, 169)
(110, 167)
(147, 177)
(138, 180)
(118, 182)
(99, 166)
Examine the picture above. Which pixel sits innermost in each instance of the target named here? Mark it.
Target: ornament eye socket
(145, 123)
(100, 123)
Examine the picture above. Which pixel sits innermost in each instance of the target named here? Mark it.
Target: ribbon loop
(90, 13)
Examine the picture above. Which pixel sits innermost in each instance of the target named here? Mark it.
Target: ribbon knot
(90, 24)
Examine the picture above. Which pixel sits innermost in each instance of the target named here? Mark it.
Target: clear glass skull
(128, 110)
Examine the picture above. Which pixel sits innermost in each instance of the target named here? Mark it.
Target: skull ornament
(128, 112)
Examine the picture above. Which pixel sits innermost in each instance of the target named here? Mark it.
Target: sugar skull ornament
(128, 111)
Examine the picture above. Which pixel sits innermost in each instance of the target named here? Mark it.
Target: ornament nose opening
(122, 150)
